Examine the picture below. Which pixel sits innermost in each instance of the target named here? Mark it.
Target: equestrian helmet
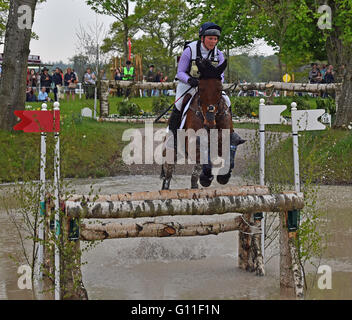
(209, 29)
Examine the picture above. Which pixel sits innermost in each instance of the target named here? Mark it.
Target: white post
(42, 200)
(57, 205)
(262, 167)
(80, 90)
(295, 151)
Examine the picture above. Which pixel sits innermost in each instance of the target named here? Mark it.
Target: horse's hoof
(165, 185)
(223, 179)
(205, 181)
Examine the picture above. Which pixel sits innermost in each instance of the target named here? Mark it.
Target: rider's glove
(193, 82)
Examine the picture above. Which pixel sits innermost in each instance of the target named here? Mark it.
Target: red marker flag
(129, 48)
(38, 121)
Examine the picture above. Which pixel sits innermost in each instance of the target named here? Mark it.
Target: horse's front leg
(195, 176)
(166, 174)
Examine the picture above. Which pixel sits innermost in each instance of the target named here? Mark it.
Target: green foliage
(128, 108)
(159, 104)
(328, 104)
(244, 106)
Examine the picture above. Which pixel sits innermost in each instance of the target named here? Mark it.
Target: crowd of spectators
(127, 73)
(45, 82)
(153, 76)
(40, 84)
(321, 74)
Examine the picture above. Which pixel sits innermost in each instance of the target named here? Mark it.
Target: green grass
(325, 157)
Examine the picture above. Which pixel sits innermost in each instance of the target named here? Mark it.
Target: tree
(16, 51)
(164, 32)
(4, 7)
(162, 22)
(89, 42)
(297, 29)
(118, 9)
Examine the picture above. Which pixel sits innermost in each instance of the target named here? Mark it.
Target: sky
(57, 21)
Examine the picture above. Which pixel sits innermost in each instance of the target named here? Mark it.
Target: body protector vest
(128, 74)
(196, 51)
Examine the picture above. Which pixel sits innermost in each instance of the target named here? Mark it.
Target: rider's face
(210, 42)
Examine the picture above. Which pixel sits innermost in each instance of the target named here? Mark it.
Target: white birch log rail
(114, 230)
(170, 207)
(281, 86)
(138, 87)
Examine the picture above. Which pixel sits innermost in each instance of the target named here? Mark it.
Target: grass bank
(325, 157)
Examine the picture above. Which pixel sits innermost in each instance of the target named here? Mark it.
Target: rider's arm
(183, 65)
(221, 60)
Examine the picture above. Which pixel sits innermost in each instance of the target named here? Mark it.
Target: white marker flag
(271, 114)
(307, 120)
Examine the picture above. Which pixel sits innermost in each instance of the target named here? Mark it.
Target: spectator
(128, 71)
(43, 95)
(150, 78)
(30, 95)
(45, 80)
(70, 81)
(158, 78)
(164, 79)
(118, 77)
(37, 74)
(314, 73)
(329, 75)
(329, 78)
(128, 75)
(57, 80)
(323, 71)
(32, 79)
(89, 83)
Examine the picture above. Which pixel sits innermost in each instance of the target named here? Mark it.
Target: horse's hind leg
(195, 176)
(166, 174)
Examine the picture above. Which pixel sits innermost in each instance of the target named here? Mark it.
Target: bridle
(210, 110)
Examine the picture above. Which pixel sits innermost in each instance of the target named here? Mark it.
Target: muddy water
(191, 267)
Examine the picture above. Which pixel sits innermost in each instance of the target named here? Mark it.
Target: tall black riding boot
(174, 123)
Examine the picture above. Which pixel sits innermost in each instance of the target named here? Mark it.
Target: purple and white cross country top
(186, 58)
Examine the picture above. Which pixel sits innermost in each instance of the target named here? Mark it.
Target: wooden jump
(242, 201)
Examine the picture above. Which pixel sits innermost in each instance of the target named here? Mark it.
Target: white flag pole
(42, 200)
(295, 150)
(262, 167)
(57, 204)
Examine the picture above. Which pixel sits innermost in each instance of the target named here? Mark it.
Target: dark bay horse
(207, 111)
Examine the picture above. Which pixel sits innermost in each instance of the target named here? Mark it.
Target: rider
(187, 72)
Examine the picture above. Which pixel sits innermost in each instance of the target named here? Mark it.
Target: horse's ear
(221, 68)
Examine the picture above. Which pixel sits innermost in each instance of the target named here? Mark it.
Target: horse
(207, 111)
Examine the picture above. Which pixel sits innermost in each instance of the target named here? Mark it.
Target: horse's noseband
(210, 113)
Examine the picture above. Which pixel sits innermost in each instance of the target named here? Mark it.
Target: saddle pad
(184, 114)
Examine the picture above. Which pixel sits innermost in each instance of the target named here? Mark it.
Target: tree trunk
(340, 56)
(344, 102)
(14, 68)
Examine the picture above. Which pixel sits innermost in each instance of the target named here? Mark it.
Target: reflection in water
(187, 268)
